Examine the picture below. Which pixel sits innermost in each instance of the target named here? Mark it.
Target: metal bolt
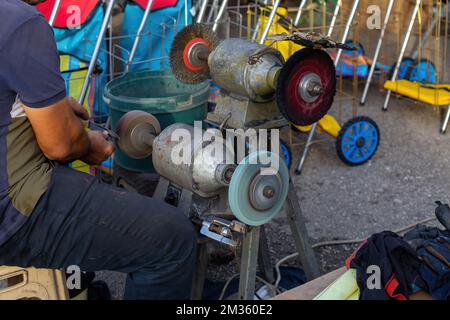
(315, 89)
(269, 192)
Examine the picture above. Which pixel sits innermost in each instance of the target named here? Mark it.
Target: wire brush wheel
(189, 53)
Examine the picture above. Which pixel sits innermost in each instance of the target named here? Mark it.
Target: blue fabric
(158, 36)
(438, 280)
(81, 43)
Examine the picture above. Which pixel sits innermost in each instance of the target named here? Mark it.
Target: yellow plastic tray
(435, 95)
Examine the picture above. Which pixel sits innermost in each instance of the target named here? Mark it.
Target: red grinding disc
(188, 47)
(291, 103)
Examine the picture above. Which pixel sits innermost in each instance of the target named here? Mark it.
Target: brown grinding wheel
(137, 130)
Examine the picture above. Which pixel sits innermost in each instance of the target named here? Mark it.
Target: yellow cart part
(344, 288)
(327, 124)
(287, 48)
(436, 95)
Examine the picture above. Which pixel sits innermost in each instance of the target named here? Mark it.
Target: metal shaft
(140, 31)
(54, 12)
(202, 11)
(269, 22)
(220, 14)
(336, 63)
(335, 16)
(377, 51)
(403, 50)
(299, 12)
(96, 52)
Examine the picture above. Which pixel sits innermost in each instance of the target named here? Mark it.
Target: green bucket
(158, 93)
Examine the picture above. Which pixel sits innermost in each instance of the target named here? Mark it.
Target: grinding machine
(258, 89)
(231, 200)
(210, 182)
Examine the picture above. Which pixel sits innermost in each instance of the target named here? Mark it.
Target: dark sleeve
(33, 63)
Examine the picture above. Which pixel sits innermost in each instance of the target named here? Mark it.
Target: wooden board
(310, 290)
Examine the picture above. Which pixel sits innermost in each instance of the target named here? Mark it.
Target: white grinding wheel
(254, 198)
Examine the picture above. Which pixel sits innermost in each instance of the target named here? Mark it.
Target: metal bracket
(221, 230)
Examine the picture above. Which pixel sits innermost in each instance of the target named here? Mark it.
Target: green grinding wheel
(256, 198)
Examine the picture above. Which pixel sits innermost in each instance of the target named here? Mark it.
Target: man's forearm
(79, 147)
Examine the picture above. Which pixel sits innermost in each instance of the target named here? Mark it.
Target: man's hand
(78, 109)
(100, 150)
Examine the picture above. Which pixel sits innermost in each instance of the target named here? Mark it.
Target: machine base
(241, 113)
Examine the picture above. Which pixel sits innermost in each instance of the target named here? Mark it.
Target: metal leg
(335, 16)
(306, 150)
(402, 52)
(299, 12)
(200, 271)
(264, 262)
(257, 24)
(139, 35)
(186, 12)
(96, 52)
(446, 120)
(298, 227)
(223, 6)
(55, 10)
(270, 21)
(202, 11)
(336, 63)
(347, 29)
(377, 52)
(427, 34)
(249, 259)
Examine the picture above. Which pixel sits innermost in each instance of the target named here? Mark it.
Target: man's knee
(181, 235)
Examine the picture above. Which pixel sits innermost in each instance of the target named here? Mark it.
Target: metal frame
(377, 51)
(403, 50)
(55, 10)
(98, 45)
(334, 18)
(202, 11)
(416, 53)
(269, 22)
(336, 63)
(299, 12)
(139, 34)
(220, 14)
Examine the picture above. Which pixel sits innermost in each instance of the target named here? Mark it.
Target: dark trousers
(81, 221)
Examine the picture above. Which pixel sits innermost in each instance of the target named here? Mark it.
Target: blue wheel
(424, 72)
(286, 154)
(358, 141)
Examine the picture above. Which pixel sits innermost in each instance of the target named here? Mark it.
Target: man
(52, 216)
